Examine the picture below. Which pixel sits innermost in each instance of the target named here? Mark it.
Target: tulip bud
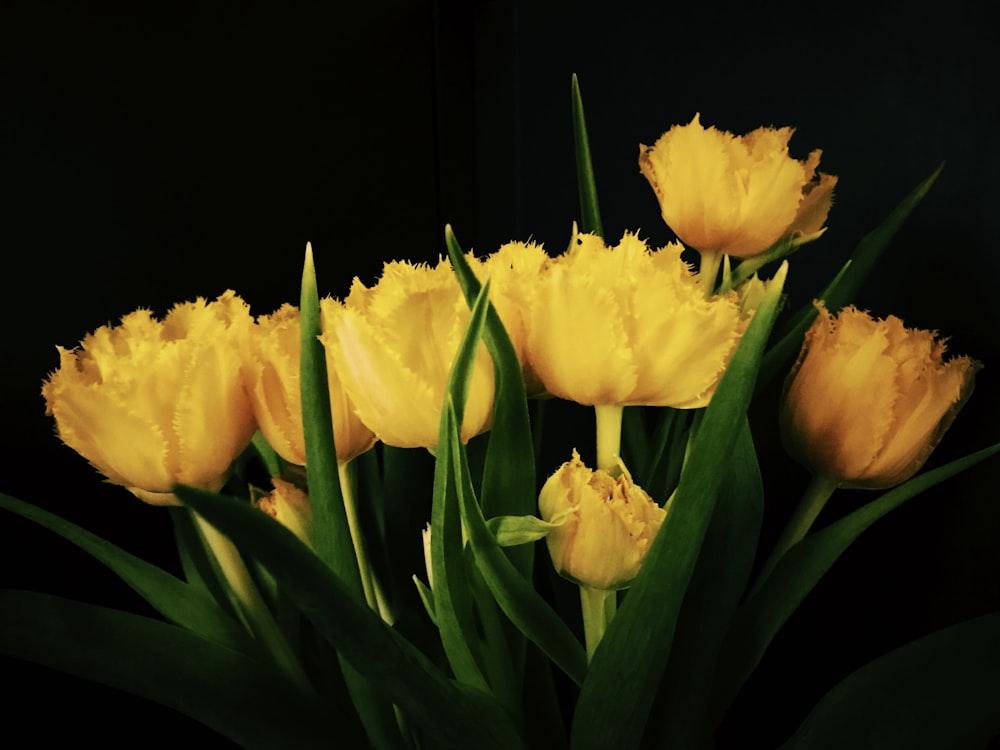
(289, 506)
(868, 400)
(607, 525)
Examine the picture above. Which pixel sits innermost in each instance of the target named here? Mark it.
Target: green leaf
(451, 714)
(717, 585)
(590, 212)
(626, 668)
(513, 530)
(331, 532)
(847, 282)
(762, 615)
(508, 484)
(940, 691)
(242, 699)
(453, 601)
(187, 605)
(528, 611)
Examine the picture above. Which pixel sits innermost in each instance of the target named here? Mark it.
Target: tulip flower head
(152, 404)
(625, 325)
(737, 195)
(272, 372)
(868, 400)
(515, 270)
(607, 525)
(393, 345)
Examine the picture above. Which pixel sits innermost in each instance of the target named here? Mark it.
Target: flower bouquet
(317, 608)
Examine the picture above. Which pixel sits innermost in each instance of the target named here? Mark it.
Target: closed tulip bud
(152, 404)
(737, 195)
(868, 400)
(606, 525)
(289, 506)
(272, 371)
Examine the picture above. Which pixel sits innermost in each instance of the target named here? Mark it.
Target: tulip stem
(709, 270)
(817, 493)
(258, 617)
(373, 592)
(598, 607)
(609, 435)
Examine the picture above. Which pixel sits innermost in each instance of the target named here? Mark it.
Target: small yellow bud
(607, 525)
(289, 506)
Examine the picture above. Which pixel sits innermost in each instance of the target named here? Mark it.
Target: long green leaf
(590, 212)
(843, 288)
(450, 714)
(717, 584)
(941, 691)
(182, 603)
(762, 615)
(627, 666)
(453, 600)
(520, 602)
(508, 485)
(331, 529)
(239, 697)
(331, 532)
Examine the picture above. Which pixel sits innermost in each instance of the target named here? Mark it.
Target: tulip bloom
(868, 400)
(515, 270)
(152, 404)
(393, 346)
(607, 525)
(272, 372)
(737, 195)
(626, 326)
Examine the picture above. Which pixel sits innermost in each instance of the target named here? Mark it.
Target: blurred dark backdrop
(153, 152)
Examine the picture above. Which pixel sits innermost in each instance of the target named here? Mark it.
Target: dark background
(151, 153)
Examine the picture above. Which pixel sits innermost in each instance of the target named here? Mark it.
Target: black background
(154, 152)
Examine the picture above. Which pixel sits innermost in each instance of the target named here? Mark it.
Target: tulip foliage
(306, 615)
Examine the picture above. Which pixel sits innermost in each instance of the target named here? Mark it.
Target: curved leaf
(451, 714)
(182, 603)
(942, 690)
(243, 699)
(762, 615)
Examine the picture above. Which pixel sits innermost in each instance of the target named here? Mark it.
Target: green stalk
(373, 592)
(598, 607)
(709, 270)
(251, 604)
(609, 435)
(817, 493)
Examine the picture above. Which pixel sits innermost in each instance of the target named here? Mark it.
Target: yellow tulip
(737, 195)
(152, 404)
(289, 506)
(272, 371)
(605, 525)
(868, 400)
(515, 270)
(623, 325)
(393, 345)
